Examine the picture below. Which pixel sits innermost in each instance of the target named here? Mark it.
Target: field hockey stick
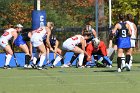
(18, 65)
(135, 38)
(12, 46)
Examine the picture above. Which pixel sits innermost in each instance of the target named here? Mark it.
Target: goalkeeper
(98, 47)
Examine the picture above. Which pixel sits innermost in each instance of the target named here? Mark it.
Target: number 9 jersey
(123, 37)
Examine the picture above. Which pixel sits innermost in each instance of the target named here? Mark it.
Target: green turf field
(71, 80)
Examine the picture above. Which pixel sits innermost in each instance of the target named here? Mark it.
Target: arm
(83, 42)
(115, 29)
(129, 29)
(135, 27)
(15, 35)
(110, 40)
(48, 39)
(94, 33)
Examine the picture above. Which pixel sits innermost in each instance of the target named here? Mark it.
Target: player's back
(76, 39)
(40, 32)
(7, 34)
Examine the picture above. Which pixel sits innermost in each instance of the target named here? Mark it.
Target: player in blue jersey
(21, 42)
(123, 41)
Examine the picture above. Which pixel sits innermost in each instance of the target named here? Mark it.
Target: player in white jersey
(133, 35)
(71, 45)
(91, 34)
(6, 36)
(37, 42)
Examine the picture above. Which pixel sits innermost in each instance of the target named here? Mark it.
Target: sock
(42, 58)
(35, 58)
(123, 61)
(62, 61)
(27, 59)
(131, 59)
(127, 59)
(81, 57)
(57, 60)
(119, 61)
(37, 61)
(73, 58)
(8, 58)
(52, 61)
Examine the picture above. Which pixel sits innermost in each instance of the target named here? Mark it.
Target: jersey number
(74, 38)
(6, 33)
(123, 33)
(39, 30)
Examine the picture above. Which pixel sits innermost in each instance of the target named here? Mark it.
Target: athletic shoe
(29, 66)
(7, 67)
(64, 66)
(52, 66)
(34, 66)
(39, 68)
(119, 70)
(127, 67)
(109, 66)
(25, 66)
(69, 64)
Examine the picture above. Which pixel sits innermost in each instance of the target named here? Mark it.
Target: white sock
(8, 58)
(131, 59)
(58, 58)
(123, 60)
(34, 60)
(42, 58)
(35, 57)
(81, 56)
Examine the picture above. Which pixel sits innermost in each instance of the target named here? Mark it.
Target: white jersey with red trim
(133, 44)
(7, 34)
(38, 36)
(40, 32)
(75, 40)
(132, 29)
(71, 42)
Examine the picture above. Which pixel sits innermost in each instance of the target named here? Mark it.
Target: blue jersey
(19, 40)
(123, 40)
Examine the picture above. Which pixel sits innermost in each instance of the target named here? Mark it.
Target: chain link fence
(63, 33)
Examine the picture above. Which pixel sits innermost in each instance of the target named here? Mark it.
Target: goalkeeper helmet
(96, 41)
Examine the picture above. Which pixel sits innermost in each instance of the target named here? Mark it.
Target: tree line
(65, 13)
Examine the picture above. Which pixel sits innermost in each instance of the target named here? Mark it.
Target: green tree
(124, 7)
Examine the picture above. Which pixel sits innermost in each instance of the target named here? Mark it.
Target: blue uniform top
(123, 40)
(19, 40)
